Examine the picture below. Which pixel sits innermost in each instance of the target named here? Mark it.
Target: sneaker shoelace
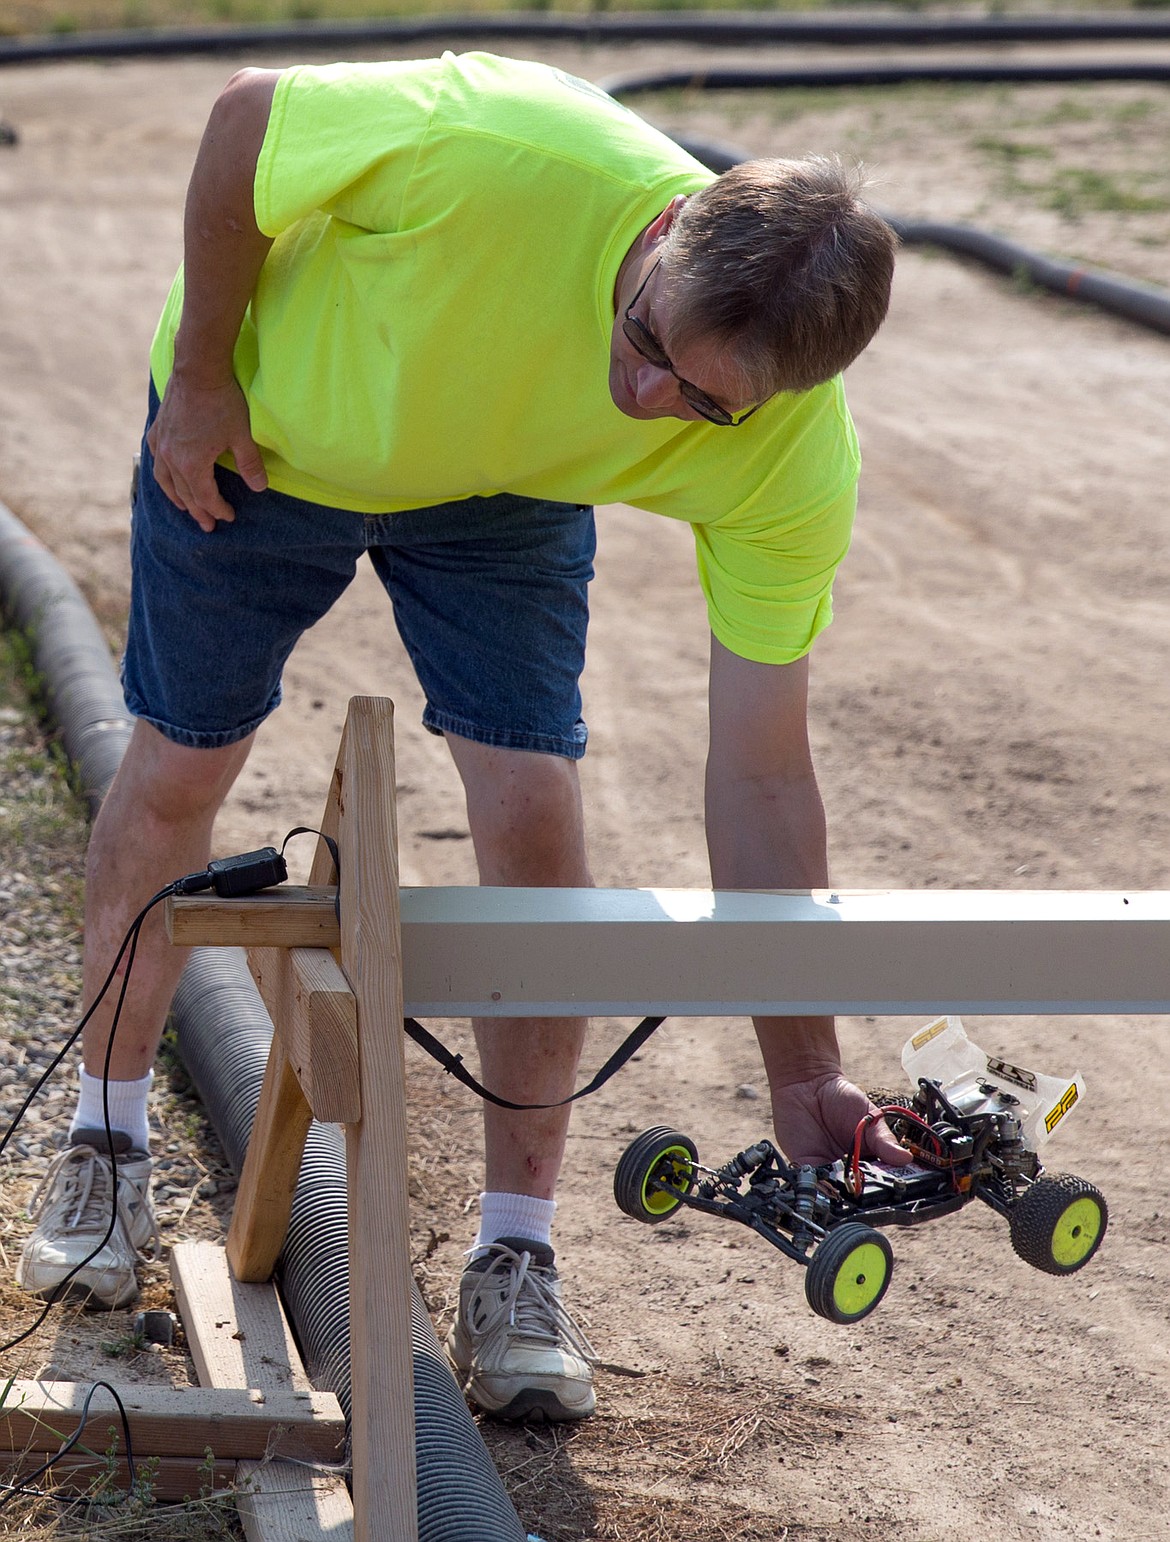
(82, 1198)
(528, 1303)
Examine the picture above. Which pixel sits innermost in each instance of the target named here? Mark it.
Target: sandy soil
(987, 713)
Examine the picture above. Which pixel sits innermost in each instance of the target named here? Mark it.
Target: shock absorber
(745, 1162)
(804, 1192)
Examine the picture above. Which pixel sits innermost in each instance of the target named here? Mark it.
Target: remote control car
(974, 1124)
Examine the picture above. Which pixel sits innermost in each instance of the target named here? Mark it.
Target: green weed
(1012, 150)
(1079, 190)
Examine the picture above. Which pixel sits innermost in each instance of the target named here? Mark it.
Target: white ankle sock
(127, 1108)
(513, 1215)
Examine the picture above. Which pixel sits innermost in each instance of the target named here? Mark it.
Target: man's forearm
(766, 821)
(771, 835)
(224, 250)
(766, 832)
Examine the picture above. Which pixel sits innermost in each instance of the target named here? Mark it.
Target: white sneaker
(72, 1209)
(513, 1344)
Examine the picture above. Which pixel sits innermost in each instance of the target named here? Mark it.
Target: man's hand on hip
(195, 425)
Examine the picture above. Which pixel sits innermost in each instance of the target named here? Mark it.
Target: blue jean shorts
(490, 596)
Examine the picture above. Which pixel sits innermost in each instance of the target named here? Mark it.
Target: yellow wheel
(654, 1173)
(1059, 1223)
(848, 1273)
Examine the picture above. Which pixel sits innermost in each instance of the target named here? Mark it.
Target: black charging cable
(230, 877)
(24, 1486)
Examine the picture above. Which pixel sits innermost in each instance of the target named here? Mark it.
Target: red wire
(856, 1182)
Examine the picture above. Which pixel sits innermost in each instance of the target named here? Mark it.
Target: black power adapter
(233, 876)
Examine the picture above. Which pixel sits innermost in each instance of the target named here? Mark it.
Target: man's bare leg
(526, 822)
(154, 827)
(514, 1344)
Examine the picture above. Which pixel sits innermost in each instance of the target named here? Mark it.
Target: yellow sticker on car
(931, 1031)
(1055, 1115)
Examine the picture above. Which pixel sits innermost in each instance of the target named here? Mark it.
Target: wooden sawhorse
(338, 1056)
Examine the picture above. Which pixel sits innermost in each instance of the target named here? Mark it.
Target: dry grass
(62, 1518)
(659, 1460)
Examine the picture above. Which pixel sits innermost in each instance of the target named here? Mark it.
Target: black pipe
(224, 1033)
(828, 77)
(705, 29)
(1146, 304)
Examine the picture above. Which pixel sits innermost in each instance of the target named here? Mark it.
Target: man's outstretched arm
(766, 830)
(204, 414)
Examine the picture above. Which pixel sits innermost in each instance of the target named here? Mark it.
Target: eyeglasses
(639, 335)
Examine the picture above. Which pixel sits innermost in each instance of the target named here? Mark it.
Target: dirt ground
(988, 712)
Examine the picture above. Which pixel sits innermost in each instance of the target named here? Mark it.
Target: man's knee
(171, 782)
(525, 815)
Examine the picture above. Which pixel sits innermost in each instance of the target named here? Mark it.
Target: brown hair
(782, 262)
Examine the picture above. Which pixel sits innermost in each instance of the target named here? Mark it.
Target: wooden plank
(175, 1477)
(282, 1503)
(239, 1335)
(272, 1163)
(382, 1408)
(695, 953)
(177, 1421)
(289, 917)
(315, 1015)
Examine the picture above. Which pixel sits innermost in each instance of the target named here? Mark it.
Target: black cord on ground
(127, 942)
(15, 1489)
(228, 876)
(128, 949)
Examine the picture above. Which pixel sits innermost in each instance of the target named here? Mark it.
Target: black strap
(333, 852)
(453, 1064)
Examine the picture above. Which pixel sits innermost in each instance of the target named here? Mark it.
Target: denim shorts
(490, 596)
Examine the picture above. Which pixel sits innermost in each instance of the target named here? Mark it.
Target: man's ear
(657, 229)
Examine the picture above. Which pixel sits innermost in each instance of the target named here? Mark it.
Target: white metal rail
(626, 952)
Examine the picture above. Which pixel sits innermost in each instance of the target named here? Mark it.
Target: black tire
(883, 1097)
(658, 1155)
(1059, 1223)
(849, 1273)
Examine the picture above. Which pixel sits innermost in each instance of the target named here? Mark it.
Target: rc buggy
(974, 1124)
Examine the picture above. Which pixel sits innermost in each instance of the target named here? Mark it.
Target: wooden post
(381, 1359)
(272, 1163)
(315, 1067)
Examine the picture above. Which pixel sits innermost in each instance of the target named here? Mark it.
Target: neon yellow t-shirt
(433, 322)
